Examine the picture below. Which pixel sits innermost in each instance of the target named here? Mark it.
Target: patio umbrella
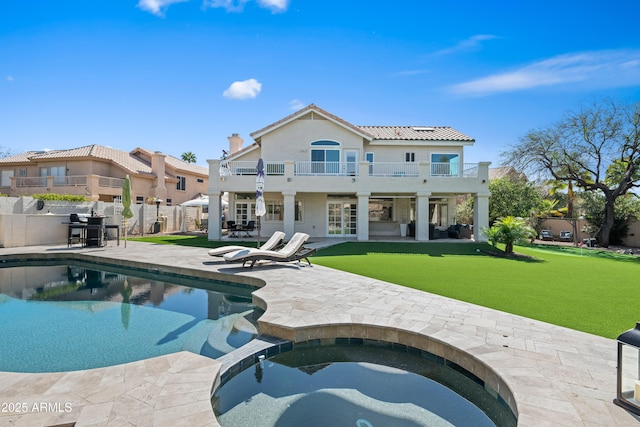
(260, 207)
(126, 205)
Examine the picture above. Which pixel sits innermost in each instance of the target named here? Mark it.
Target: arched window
(325, 157)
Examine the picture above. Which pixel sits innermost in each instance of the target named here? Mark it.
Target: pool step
(247, 355)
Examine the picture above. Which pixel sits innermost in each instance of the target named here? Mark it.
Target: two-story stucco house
(97, 172)
(329, 178)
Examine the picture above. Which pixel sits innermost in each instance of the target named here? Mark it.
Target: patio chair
(247, 229)
(77, 229)
(292, 251)
(273, 242)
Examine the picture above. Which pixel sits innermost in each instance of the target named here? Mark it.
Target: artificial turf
(584, 289)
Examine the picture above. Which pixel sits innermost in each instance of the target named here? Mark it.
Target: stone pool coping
(548, 374)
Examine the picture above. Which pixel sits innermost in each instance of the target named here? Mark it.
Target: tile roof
(302, 112)
(19, 158)
(416, 133)
(508, 172)
(389, 133)
(177, 164)
(127, 160)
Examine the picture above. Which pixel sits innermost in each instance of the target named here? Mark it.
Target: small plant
(509, 230)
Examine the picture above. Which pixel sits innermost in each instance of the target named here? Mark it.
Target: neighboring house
(97, 172)
(507, 172)
(329, 178)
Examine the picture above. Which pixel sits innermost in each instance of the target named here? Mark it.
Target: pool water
(66, 317)
(355, 387)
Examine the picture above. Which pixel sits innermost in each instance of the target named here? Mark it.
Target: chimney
(235, 143)
(158, 168)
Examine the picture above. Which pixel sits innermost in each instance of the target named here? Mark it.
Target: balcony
(90, 186)
(380, 169)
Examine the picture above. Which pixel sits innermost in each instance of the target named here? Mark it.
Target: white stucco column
(214, 230)
(480, 215)
(363, 215)
(289, 213)
(422, 215)
(451, 211)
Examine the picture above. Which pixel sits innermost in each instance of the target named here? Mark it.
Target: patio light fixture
(158, 201)
(628, 381)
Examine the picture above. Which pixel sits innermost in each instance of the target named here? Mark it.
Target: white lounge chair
(292, 251)
(273, 242)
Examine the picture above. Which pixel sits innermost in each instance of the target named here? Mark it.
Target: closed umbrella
(260, 207)
(126, 205)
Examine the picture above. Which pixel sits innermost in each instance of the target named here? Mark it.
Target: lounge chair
(292, 251)
(273, 242)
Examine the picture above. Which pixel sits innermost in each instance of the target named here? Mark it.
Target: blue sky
(183, 75)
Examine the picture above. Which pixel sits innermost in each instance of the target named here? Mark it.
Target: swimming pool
(64, 317)
(357, 386)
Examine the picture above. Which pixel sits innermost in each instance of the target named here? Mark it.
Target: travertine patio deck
(552, 376)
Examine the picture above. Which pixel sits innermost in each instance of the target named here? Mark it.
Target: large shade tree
(596, 148)
(512, 198)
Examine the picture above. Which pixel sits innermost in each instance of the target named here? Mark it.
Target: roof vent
(423, 129)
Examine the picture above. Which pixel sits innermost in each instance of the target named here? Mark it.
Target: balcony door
(351, 162)
(57, 172)
(341, 219)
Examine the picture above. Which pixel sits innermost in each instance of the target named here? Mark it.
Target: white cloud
(470, 44)
(229, 5)
(9, 78)
(274, 5)
(296, 104)
(157, 7)
(596, 69)
(238, 5)
(247, 89)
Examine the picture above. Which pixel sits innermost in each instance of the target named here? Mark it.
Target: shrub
(509, 230)
(64, 197)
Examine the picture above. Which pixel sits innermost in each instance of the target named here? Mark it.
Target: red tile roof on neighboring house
(129, 161)
(19, 158)
(175, 163)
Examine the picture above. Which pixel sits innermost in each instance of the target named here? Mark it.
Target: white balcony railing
(384, 169)
(326, 168)
(398, 169)
(249, 168)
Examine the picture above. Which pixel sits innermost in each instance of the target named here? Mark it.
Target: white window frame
(273, 205)
(410, 156)
(274, 208)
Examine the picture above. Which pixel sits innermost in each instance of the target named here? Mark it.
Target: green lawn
(587, 290)
(590, 291)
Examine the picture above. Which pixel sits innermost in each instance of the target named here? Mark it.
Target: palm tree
(189, 157)
(510, 230)
(557, 186)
